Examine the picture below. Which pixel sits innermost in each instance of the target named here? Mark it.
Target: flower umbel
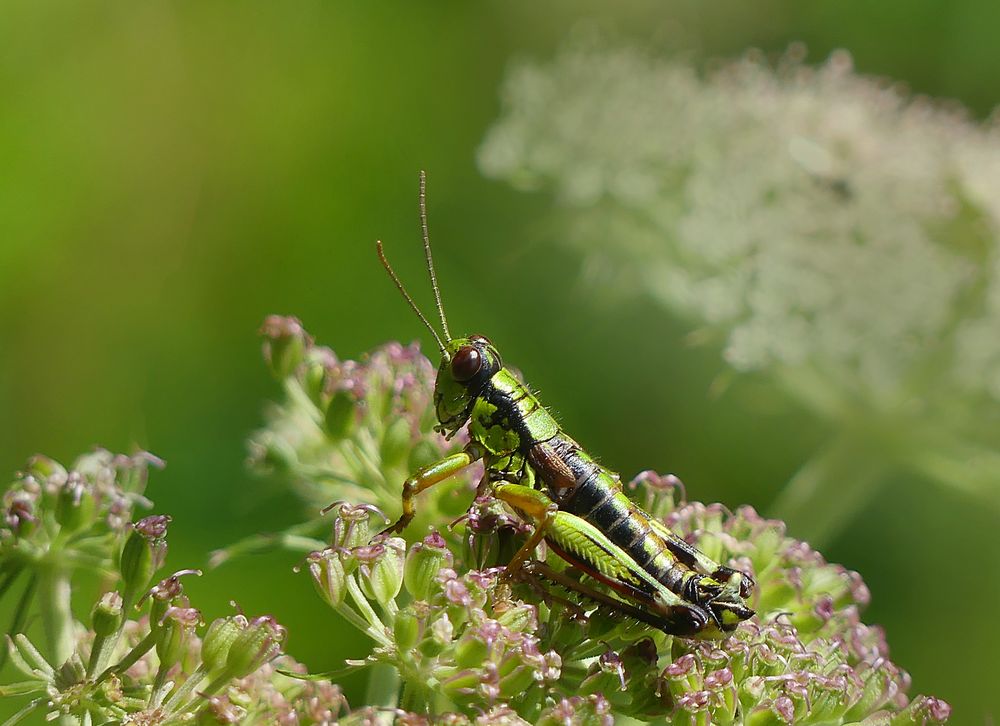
(140, 659)
(350, 430)
(466, 646)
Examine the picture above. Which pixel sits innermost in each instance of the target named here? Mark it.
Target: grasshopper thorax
(467, 365)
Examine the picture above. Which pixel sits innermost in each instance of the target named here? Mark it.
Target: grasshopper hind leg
(681, 620)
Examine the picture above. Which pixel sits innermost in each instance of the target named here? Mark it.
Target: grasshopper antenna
(427, 254)
(406, 296)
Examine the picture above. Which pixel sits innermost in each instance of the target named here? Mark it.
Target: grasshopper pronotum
(576, 505)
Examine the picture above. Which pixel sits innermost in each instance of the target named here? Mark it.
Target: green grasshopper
(576, 505)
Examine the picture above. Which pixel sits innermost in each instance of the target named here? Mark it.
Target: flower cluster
(138, 659)
(468, 646)
(59, 524)
(465, 641)
(824, 228)
(348, 430)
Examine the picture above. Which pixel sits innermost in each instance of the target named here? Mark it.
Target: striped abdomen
(591, 492)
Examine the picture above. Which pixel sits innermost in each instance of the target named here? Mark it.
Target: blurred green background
(172, 172)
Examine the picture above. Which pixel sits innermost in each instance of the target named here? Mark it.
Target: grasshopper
(575, 505)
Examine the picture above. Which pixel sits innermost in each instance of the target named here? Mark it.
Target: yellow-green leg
(534, 505)
(425, 478)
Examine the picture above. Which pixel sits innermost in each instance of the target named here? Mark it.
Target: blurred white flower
(827, 228)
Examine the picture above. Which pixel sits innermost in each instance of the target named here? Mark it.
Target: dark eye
(466, 363)
(480, 339)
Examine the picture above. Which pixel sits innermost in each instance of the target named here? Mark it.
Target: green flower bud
(396, 442)
(143, 553)
(259, 643)
(285, 344)
(458, 687)
(382, 569)
(20, 514)
(327, 571)
(75, 506)
(517, 682)
(106, 616)
(874, 693)
(442, 632)
(352, 529)
(340, 414)
(470, 651)
(320, 361)
(923, 710)
(174, 635)
(42, 468)
(406, 629)
(423, 563)
(218, 641)
(522, 618)
(606, 675)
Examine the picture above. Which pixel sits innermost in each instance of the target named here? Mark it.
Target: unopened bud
(470, 651)
(382, 576)
(20, 514)
(174, 634)
(406, 629)
(285, 344)
(423, 564)
(259, 643)
(143, 553)
(43, 468)
(340, 414)
(329, 578)
(442, 632)
(218, 641)
(75, 507)
(320, 361)
(522, 618)
(106, 616)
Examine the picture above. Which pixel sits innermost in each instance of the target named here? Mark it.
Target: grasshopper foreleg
(425, 478)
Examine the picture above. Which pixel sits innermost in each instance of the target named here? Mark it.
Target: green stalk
(130, 658)
(383, 687)
(159, 687)
(57, 617)
(185, 690)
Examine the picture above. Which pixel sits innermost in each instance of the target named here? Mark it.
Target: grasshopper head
(467, 364)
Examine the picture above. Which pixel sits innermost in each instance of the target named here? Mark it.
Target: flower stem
(57, 617)
(185, 690)
(130, 658)
(383, 687)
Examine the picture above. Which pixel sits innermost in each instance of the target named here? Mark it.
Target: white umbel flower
(813, 215)
(830, 230)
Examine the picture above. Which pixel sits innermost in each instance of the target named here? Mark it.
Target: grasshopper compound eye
(466, 363)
